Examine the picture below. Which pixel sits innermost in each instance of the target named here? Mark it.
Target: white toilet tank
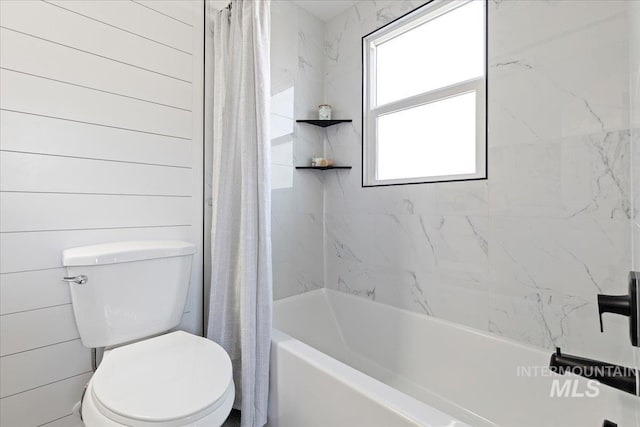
(132, 290)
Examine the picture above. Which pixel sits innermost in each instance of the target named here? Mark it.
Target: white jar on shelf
(324, 112)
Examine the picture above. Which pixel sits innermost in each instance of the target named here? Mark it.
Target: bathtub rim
(401, 404)
(326, 292)
(621, 402)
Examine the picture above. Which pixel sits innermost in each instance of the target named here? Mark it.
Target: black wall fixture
(624, 305)
(324, 123)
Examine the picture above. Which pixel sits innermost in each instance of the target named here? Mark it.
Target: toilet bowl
(173, 380)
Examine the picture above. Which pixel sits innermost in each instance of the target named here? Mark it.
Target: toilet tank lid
(116, 252)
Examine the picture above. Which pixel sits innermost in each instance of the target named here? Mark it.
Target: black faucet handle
(619, 304)
(625, 305)
(616, 376)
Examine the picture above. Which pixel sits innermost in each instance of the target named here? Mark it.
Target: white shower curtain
(241, 295)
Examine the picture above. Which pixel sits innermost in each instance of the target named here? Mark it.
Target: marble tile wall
(524, 253)
(297, 64)
(634, 124)
(634, 120)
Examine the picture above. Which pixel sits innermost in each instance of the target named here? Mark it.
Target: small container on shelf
(324, 112)
(321, 162)
(326, 162)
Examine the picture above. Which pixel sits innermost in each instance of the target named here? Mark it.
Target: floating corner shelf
(324, 123)
(322, 168)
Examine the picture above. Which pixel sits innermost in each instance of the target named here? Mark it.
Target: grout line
(205, 15)
(35, 269)
(71, 193)
(35, 309)
(38, 348)
(44, 385)
(95, 228)
(54, 420)
(94, 89)
(162, 13)
(66, 156)
(118, 28)
(96, 54)
(96, 124)
(284, 117)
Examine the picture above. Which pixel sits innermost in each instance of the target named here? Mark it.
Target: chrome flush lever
(80, 280)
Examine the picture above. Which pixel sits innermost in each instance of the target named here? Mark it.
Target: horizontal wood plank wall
(100, 140)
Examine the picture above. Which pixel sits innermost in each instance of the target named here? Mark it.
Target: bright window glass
(434, 139)
(437, 53)
(424, 101)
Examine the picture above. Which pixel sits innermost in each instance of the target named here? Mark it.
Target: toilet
(126, 298)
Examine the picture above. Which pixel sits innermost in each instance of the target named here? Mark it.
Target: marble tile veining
(524, 253)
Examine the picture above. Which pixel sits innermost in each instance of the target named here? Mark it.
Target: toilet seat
(170, 380)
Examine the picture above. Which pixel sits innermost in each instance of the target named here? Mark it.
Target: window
(424, 102)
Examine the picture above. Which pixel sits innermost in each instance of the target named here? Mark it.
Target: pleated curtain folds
(240, 306)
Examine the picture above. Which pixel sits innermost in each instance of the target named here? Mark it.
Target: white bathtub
(340, 360)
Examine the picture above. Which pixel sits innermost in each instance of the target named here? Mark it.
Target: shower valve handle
(625, 305)
(618, 304)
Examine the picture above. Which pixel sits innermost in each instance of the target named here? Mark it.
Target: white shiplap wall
(101, 140)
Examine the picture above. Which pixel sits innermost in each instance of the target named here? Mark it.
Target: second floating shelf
(323, 168)
(324, 124)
